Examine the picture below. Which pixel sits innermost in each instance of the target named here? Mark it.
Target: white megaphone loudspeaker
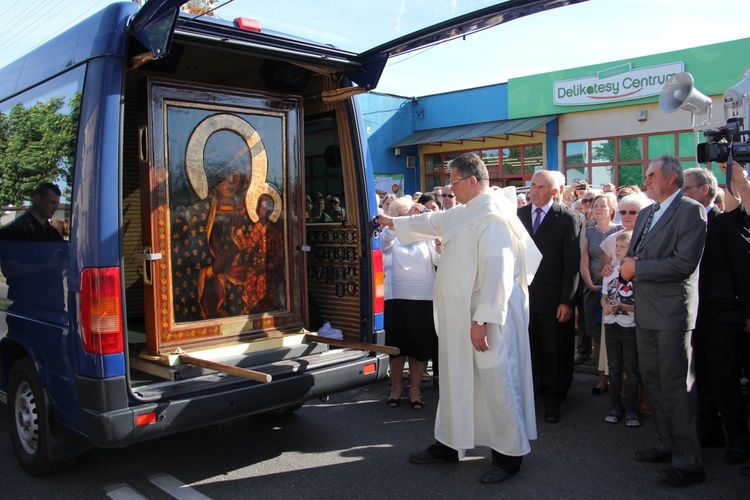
(734, 97)
(680, 93)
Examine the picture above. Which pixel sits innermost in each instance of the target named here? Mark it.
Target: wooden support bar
(222, 367)
(385, 349)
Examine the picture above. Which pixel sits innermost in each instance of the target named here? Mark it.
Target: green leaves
(37, 144)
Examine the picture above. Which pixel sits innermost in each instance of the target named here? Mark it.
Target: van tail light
(378, 282)
(101, 310)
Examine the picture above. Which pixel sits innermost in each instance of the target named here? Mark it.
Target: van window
(324, 179)
(38, 131)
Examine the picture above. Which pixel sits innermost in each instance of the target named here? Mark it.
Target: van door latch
(148, 258)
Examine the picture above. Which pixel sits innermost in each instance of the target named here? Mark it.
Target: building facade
(601, 123)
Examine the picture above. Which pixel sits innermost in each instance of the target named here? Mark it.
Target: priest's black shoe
(496, 475)
(551, 414)
(682, 477)
(735, 454)
(652, 455)
(437, 452)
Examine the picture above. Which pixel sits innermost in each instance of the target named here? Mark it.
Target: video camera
(722, 144)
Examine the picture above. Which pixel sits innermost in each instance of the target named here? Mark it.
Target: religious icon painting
(340, 289)
(330, 236)
(340, 236)
(340, 254)
(351, 288)
(319, 271)
(340, 273)
(351, 271)
(350, 236)
(351, 254)
(330, 253)
(218, 189)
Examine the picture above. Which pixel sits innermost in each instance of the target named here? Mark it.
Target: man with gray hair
(559, 179)
(663, 260)
(722, 309)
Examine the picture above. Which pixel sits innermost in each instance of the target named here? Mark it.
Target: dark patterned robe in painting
(265, 276)
(209, 265)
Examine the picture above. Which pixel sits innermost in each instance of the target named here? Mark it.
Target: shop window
(686, 144)
(512, 161)
(630, 149)
(575, 175)
(433, 164)
(603, 151)
(662, 144)
(491, 158)
(630, 175)
(533, 156)
(603, 175)
(576, 153)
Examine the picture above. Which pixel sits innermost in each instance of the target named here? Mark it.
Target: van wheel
(29, 421)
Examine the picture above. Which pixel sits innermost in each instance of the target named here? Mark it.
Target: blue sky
(593, 32)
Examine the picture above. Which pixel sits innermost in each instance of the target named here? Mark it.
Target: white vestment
(486, 398)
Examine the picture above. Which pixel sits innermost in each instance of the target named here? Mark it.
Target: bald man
(558, 233)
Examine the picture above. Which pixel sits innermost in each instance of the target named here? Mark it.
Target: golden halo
(196, 171)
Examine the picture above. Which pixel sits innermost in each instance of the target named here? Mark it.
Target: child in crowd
(618, 306)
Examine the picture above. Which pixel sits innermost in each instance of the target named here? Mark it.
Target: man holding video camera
(723, 311)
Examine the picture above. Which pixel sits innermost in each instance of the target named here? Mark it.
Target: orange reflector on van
(378, 292)
(368, 369)
(101, 311)
(146, 418)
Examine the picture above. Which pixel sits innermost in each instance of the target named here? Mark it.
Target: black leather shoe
(496, 475)
(551, 414)
(652, 455)
(682, 477)
(438, 452)
(735, 454)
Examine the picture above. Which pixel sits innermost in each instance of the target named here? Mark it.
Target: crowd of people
(652, 283)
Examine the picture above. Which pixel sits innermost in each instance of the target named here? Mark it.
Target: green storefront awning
(475, 131)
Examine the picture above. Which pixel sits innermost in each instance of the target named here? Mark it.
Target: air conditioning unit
(411, 162)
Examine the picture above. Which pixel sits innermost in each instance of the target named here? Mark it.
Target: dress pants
(665, 361)
(717, 373)
(552, 347)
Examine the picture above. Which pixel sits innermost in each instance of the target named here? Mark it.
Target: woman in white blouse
(409, 323)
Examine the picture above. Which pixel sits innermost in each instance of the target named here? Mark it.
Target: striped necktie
(654, 208)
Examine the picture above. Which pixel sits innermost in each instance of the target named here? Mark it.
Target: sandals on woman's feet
(425, 377)
(392, 403)
(416, 405)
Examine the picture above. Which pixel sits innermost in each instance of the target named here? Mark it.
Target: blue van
(186, 231)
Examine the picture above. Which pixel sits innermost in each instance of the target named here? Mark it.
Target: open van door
(223, 205)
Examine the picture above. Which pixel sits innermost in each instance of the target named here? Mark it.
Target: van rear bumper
(117, 427)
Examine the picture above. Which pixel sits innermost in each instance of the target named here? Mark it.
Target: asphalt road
(354, 446)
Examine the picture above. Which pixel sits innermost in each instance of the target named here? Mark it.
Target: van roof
(360, 38)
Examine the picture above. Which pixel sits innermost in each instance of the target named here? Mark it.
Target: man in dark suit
(558, 233)
(663, 260)
(723, 308)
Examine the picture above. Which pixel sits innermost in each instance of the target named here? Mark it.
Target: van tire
(28, 421)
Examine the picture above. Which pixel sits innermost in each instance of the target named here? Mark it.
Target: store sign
(620, 83)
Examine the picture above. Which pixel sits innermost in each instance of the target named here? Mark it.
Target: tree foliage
(37, 144)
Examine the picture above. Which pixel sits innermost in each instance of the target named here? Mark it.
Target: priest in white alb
(481, 317)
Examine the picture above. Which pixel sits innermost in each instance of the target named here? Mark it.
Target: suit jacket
(560, 239)
(666, 286)
(723, 287)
